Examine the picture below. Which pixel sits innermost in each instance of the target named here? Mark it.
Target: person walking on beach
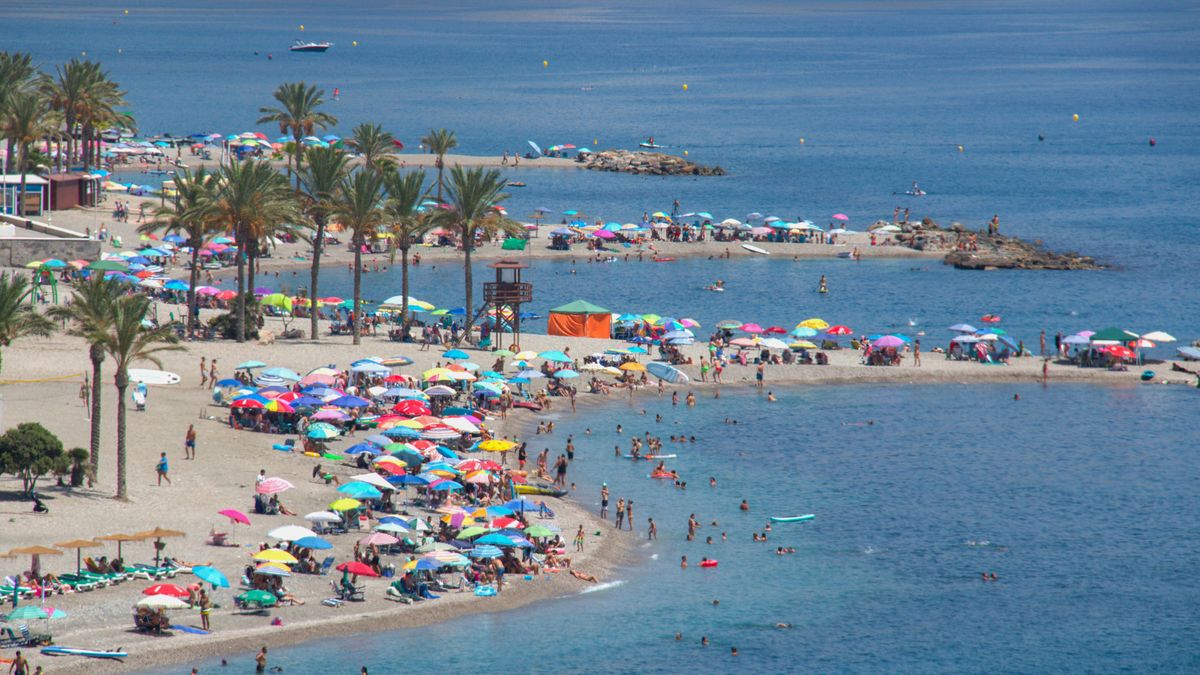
(205, 609)
(203, 373)
(579, 539)
(19, 665)
(604, 501)
(652, 529)
(161, 468)
(189, 443)
(916, 353)
(212, 372)
(618, 517)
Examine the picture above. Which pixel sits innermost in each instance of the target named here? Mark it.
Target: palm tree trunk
(318, 244)
(440, 163)
(122, 385)
(96, 352)
(87, 148)
(357, 291)
(404, 286)
(191, 296)
(467, 274)
(241, 296)
(22, 151)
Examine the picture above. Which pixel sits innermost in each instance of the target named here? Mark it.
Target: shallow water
(1077, 496)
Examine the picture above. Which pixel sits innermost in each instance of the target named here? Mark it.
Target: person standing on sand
(161, 468)
(759, 371)
(189, 443)
(629, 513)
(205, 609)
(917, 353)
(212, 372)
(203, 373)
(579, 539)
(604, 501)
(618, 517)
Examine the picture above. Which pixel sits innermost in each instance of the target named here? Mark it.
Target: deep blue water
(1078, 497)
(1083, 494)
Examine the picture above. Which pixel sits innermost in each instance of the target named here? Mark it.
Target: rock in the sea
(653, 163)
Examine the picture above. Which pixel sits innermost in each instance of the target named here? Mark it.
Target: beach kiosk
(580, 319)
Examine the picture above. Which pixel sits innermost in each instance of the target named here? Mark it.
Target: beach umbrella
(839, 330)
(290, 533)
(249, 365)
(315, 543)
(555, 356)
(803, 331)
(360, 491)
(963, 328)
(273, 485)
(235, 516)
(350, 402)
(485, 552)
(211, 575)
(457, 354)
(275, 555)
(372, 479)
(378, 539)
(270, 570)
(888, 341)
(772, 343)
(356, 568)
(78, 545)
(539, 532)
(323, 517)
(632, 366)
(260, 598)
(1159, 336)
(841, 216)
(162, 602)
(565, 374)
(1114, 335)
(322, 431)
(344, 504)
(166, 589)
(802, 344)
(750, 328)
(282, 373)
(495, 540)
(27, 613)
(1121, 352)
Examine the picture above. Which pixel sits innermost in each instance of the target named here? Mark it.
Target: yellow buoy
(1075, 117)
(595, 141)
(545, 64)
(685, 153)
(685, 87)
(126, 12)
(301, 26)
(355, 43)
(960, 148)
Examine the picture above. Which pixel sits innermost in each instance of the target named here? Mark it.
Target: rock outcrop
(651, 163)
(970, 250)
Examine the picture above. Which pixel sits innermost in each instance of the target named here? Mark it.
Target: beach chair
(326, 565)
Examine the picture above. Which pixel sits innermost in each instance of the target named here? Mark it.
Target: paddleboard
(792, 519)
(648, 457)
(152, 376)
(92, 653)
(667, 372)
(755, 249)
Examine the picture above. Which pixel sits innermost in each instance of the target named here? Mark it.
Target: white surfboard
(755, 249)
(152, 376)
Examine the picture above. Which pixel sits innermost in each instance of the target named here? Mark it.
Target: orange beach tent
(580, 319)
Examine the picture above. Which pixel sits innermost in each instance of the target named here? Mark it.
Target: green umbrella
(1114, 335)
(474, 531)
(260, 598)
(108, 266)
(538, 531)
(27, 612)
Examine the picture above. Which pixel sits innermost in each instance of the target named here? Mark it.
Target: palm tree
(24, 123)
(18, 319)
(409, 225)
(90, 314)
(192, 216)
(68, 92)
(98, 109)
(374, 145)
(320, 180)
(253, 199)
(17, 75)
(472, 194)
(359, 209)
(297, 114)
(127, 342)
(439, 142)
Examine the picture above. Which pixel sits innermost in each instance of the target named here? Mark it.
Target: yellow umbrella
(802, 344)
(435, 372)
(496, 445)
(525, 356)
(813, 323)
(345, 504)
(275, 555)
(633, 365)
(276, 565)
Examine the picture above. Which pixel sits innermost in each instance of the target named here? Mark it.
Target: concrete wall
(55, 242)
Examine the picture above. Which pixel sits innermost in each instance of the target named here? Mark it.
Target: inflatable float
(651, 457)
(792, 519)
(663, 474)
(708, 563)
(90, 653)
(546, 490)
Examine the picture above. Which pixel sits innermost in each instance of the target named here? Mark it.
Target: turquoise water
(1077, 497)
(1080, 498)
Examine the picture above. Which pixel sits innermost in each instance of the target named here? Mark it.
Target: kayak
(755, 249)
(91, 653)
(546, 490)
(792, 519)
(650, 145)
(651, 457)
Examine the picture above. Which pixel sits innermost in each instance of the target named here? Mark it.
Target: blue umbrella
(211, 575)
(495, 540)
(379, 439)
(306, 402)
(229, 382)
(360, 490)
(176, 285)
(556, 356)
(485, 552)
(140, 260)
(565, 374)
(447, 485)
(456, 354)
(350, 402)
(315, 543)
(427, 564)
(402, 432)
(281, 372)
(360, 448)
(521, 504)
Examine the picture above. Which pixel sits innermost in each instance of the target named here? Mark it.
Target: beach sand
(41, 383)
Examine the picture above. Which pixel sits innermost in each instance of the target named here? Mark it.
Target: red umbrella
(226, 295)
(412, 408)
(1120, 352)
(775, 329)
(840, 330)
(357, 568)
(247, 403)
(394, 379)
(166, 589)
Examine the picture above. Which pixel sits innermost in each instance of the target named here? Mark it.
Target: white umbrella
(323, 517)
(772, 343)
(592, 366)
(1159, 336)
(291, 533)
(162, 602)
(460, 424)
(373, 479)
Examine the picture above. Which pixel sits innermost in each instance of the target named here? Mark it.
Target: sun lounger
(326, 565)
(78, 583)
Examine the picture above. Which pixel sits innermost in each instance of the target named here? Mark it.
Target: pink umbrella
(888, 341)
(316, 378)
(270, 486)
(378, 539)
(751, 328)
(604, 234)
(841, 216)
(329, 414)
(742, 342)
(235, 515)
(207, 290)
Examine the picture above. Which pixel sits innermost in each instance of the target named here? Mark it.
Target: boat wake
(604, 586)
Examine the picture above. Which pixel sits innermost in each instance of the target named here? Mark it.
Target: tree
(359, 210)
(69, 91)
(17, 318)
(253, 199)
(472, 195)
(320, 179)
(89, 313)
(128, 342)
(17, 75)
(78, 458)
(374, 145)
(29, 451)
(408, 224)
(297, 114)
(439, 142)
(24, 123)
(190, 216)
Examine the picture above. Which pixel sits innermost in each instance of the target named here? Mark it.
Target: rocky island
(970, 250)
(652, 163)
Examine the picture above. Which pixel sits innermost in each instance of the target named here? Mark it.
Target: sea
(1076, 496)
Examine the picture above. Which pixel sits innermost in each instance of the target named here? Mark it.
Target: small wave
(604, 586)
(871, 550)
(978, 542)
(654, 556)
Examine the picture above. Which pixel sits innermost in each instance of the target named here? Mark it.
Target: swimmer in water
(745, 506)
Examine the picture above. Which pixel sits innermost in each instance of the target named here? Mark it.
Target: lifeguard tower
(505, 296)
